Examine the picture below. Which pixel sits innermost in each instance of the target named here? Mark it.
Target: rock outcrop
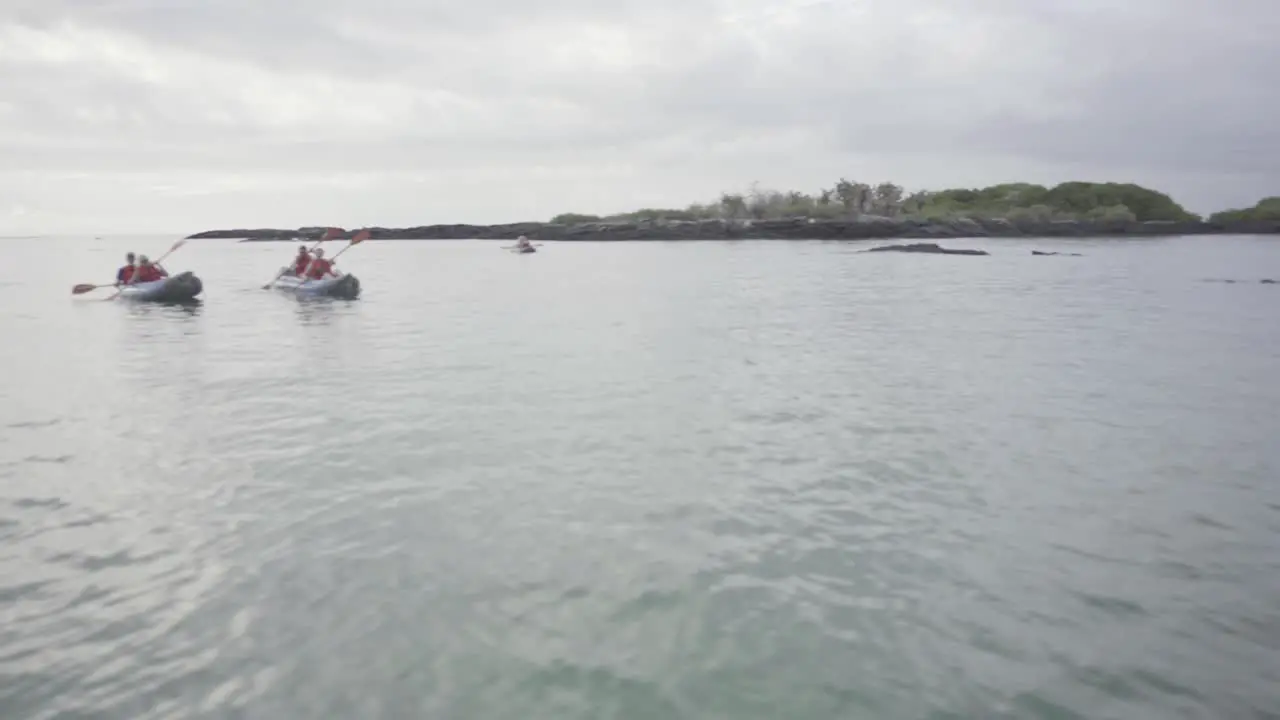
(929, 248)
(863, 228)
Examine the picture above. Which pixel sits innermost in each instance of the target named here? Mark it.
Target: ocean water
(645, 480)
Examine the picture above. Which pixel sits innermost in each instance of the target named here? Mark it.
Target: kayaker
(522, 242)
(320, 267)
(125, 273)
(301, 261)
(149, 272)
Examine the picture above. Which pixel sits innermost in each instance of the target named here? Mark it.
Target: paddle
(359, 238)
(515, 247)
(329, 234)
(155, 262)
(83, 288)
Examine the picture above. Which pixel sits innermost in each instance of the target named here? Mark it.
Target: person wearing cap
(125, 273)
(301, 261)
(149, 272)
(320, 267)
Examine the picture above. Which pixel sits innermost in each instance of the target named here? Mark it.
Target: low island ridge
(858, 211)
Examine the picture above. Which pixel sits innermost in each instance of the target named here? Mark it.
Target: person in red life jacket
(320, 267)
(125, 273)
(148, 272)
(301, 261)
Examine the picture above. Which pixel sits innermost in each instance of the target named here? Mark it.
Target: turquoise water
(645, 480)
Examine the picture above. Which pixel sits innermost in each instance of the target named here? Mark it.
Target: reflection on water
(747, 480)
(188, 308)
(322, 310)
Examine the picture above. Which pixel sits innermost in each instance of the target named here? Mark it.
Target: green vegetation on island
(1124, 202)
(858, 211)
(1267, 210)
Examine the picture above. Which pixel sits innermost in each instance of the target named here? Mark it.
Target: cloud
(178, 115)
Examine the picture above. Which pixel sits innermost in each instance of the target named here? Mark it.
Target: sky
(186, 115)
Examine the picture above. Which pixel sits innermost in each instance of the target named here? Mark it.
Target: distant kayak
(183, 287)
(344, 287)
(524, 250)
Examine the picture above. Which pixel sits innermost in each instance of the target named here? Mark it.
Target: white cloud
(180, 115)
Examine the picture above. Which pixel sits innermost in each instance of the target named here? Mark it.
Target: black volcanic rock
(929, 248)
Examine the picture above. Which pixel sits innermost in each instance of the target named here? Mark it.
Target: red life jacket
(300, 264)
(319, 268)
(125, 274)
(149, 273)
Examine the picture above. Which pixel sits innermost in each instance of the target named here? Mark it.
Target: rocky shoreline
(863, 228)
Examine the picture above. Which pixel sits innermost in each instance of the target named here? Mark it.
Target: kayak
(343, 287)
(524, 250)
(183, 287)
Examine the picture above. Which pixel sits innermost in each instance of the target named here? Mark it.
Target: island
(859, 211)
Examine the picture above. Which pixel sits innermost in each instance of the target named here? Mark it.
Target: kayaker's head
(319, 252)
(302, 249)
(142, 260)
(129, 258)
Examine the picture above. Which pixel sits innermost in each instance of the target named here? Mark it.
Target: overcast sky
(184, 115)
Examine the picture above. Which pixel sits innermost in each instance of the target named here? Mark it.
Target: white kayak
(183, 287)
(343, 287)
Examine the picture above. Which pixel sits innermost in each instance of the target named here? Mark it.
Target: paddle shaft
(339, 253)
(353, 243)
(328, 235)
(155, 263)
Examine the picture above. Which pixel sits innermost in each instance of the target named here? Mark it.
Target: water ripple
(739, 480)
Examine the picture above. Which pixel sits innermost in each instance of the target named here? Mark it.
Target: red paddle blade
(361, 236)
(330, 234)
(83, 288)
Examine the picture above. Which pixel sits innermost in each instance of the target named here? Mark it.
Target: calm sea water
(646, 480)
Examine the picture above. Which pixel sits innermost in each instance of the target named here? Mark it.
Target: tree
(1027, 202)
(703, 212)
(1033, 215)
(854, 196)
(915, 203)
(1010, 195)
(733, 206)
(762, 204)
(1267, 210)
(887, 199)
(1081, 197)
(1112, 213)
(799, 203)
(574, 219)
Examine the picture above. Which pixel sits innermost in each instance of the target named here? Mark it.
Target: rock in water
(931, 248)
